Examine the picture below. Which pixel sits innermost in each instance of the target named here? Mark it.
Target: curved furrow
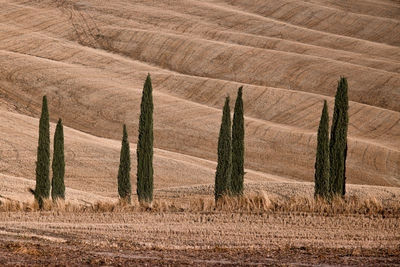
(118, 64)
(372, 8)
(261, 107)
(245, 22)
(189, 136)
(164, 15)
(266, 67)
(371, 28)
(91, 58)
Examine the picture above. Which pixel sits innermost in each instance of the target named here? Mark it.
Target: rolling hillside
(91, 58)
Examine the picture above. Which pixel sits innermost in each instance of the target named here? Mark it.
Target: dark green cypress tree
(338, 140)
(224, 167)
(58, 165)
(124, 178)
(322, 188)
(42, 189)
(145, 145)
(237, 177)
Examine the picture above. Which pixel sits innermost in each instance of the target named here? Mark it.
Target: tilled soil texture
(181, 238)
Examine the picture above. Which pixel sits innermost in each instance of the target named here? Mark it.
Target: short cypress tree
(224, 167)
(237, 177)
(42, 189)
(58, 165)
(145, 145)
(322, 157)
(124, 178)
(338, 140)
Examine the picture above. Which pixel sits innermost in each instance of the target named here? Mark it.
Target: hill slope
(91, 58)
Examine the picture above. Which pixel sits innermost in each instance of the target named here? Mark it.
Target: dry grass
(257, 202)
(260, 202)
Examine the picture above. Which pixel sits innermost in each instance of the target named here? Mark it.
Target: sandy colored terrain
(198, 239)
(91, 57)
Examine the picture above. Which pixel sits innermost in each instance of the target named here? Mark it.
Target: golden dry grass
(256, 202)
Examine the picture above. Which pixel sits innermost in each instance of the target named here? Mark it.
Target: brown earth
(91, 57)
(197, 239)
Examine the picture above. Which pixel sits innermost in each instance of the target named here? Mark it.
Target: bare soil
(91, 57)
(46, 238)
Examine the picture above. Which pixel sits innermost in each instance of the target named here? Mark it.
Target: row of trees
(144, 156)
(42, 189)
(144, 153)
(229, 176)
(330, 163)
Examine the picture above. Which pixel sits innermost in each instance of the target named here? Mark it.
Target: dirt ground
(196, 239)
(91, 57)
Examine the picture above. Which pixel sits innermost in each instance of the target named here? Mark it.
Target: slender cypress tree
(145, 145)
(124, 178)
(322, 158)
(224, 167)
(42, 189)
(58, 165)
(237, 177)
(338, 140)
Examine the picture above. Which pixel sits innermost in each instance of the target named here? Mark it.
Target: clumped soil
(31, 253)
(184, 238)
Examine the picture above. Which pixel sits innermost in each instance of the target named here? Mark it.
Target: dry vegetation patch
(256, 202)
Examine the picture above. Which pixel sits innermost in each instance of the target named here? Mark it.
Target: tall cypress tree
(338, 140)
(124, 178)
(322, 157)
(145, 145)
(58, 165)
(42, 189)
(224, 167)
(237, 177)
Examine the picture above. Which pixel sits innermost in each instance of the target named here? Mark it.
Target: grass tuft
(255, 202)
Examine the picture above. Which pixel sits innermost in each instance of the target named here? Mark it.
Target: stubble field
(91, 57)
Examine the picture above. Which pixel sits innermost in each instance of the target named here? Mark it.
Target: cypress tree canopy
(224, 167)
(145, 145)
(42, 189)
(237, 177)
(338, 139)
(124, 178)
(58, 165)
(322, 157)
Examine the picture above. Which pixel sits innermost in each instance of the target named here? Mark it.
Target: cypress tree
(338, 140)
(124, 178)
(42, 189)
(145, 145)
(322, 157)
(237, 177)
(58, 165)
(224, 167)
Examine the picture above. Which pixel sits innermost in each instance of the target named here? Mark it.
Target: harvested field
(197, 239)
(91, 57)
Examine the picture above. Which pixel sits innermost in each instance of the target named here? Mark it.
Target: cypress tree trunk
(58, 165)
(124, 178)
(145, 145)
(338, 140)
(42, 189)
(224, 167)
(237, 178)
(322, 188)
